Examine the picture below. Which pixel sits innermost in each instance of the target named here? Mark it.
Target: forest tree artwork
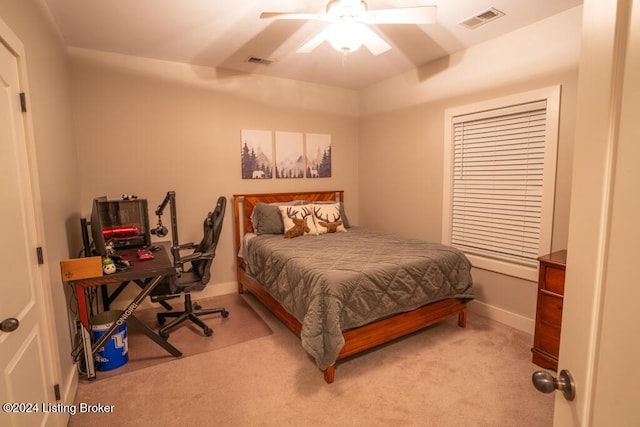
(257, 154)
(289, 155)
(318, 149)
(296, 155)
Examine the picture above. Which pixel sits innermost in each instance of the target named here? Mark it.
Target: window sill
(503, 267)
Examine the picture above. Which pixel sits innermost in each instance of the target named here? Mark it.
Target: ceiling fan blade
(372, 41)
(313, 43)
(404, 15)
(301, 16)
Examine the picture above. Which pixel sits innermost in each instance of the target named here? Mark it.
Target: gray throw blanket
(335, 282)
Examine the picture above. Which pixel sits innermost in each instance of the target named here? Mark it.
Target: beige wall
(401, 151)
(146, 127)
(56, 153)
(401, 166)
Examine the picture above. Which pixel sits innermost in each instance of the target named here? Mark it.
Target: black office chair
(194, 278)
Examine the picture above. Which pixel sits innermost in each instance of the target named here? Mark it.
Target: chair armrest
(180, 259)
(189, 245)
(196, 256)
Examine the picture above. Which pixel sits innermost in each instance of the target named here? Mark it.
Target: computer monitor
(121, 223)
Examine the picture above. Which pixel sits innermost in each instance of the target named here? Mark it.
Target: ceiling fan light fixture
(346, 8)
(348, 24)
(344, 35)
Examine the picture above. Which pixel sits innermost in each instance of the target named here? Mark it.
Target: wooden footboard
(357, 339)
(391, 328)
(366, 337)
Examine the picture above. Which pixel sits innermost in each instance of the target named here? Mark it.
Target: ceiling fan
(348, 24)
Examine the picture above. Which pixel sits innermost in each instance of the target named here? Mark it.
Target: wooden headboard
(243, 205)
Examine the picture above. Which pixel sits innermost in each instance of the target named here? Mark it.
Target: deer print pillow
(298, 221)
(327, 218)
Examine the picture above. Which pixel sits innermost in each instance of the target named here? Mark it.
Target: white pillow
(298, 221)
(327, 218)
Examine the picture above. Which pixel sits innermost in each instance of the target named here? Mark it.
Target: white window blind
(497, 182)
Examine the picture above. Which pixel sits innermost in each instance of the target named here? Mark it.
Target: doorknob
(10, 324)
(546, 383)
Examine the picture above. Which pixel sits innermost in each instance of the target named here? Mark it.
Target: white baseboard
(503, 316)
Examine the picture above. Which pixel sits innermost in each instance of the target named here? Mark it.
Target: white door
(25, 371)
(600, 345)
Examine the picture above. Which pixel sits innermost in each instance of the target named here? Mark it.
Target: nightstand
(546, 341)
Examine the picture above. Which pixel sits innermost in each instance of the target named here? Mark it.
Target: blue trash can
(115, 351)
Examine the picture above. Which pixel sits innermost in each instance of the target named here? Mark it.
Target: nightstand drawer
(550, 309)
(548, 339)
(553, 280)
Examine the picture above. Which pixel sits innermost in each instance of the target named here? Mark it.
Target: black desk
(147, 274)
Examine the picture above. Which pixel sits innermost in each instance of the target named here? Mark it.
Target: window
(500, 161)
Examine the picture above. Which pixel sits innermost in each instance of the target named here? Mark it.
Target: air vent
(258, 60)
(481, 18)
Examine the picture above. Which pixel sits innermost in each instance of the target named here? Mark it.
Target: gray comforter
(335, 282)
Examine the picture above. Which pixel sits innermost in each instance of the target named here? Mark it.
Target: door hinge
(23, 102)
(40, 255)
(56, 391)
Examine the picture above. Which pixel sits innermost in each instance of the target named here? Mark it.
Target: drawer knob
(546, 383)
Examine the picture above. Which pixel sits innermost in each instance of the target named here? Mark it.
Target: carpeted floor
(243, 324)
(441, 376)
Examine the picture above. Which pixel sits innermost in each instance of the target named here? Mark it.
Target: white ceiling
(225, 33)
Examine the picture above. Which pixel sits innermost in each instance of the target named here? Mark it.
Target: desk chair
(194, 278)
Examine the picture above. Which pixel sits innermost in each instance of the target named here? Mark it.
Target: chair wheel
(164, 335)
(208, 331)
(161, 319)
(196, 306)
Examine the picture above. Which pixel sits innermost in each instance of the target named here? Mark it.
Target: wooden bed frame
(356, 339)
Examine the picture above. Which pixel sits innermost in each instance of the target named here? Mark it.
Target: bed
(348, 291)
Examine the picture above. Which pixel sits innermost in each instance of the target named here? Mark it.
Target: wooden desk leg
(163, 303)
(128, 312)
